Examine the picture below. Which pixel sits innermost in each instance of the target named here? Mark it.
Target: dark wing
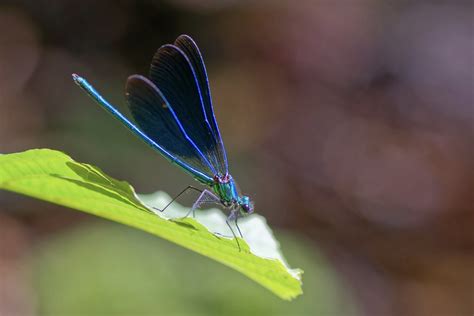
(190, 48)
(173, 72)
(156, 118)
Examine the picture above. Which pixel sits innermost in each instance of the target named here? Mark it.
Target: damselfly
(174, 115)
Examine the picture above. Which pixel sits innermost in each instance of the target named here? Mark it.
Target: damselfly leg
(189, 187)
(206, 196)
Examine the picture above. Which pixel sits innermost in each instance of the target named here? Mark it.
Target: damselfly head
(246, 204)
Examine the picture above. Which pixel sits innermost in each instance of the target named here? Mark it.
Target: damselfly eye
(248, 208)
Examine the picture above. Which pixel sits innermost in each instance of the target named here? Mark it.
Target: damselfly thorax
(227, 190)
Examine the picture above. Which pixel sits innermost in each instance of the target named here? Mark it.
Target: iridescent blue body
(174, 115)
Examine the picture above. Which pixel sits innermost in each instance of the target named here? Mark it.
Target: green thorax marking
(226, 189)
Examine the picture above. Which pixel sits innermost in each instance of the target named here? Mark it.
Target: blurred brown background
(350, 123)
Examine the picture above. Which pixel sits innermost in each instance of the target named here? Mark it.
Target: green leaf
(55, 177)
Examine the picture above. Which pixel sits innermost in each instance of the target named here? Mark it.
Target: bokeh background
(350, 123)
